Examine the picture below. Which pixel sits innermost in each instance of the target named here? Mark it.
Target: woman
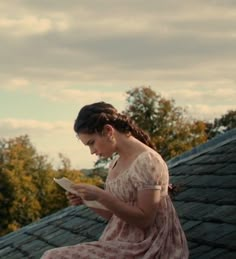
(142, 222)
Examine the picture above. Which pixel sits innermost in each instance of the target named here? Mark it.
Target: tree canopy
(27, 189)
(169, 126)
(220, 125)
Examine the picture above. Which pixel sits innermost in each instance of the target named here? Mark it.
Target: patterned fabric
(165, 239)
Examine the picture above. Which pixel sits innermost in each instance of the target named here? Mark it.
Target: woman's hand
(74, 199)
(87, 191)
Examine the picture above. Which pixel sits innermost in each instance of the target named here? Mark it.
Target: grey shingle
(207, 198)
(69, 226)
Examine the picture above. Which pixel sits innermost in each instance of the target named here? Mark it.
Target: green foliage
(6, 201)
(103, 162)
(220, 125)
(27, 189)
(18, 192)
(168, 125)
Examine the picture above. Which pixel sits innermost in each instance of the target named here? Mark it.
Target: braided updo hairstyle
(93, 117)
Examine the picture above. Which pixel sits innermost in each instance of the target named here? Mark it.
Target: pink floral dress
(165, 239)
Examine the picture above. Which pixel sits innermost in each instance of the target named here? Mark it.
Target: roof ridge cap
(213, 143)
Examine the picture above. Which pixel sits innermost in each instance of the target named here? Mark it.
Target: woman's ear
(108, 130)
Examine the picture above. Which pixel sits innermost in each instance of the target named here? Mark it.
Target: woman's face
(98, 144)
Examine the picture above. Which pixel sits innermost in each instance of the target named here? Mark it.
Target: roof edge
(213, 143)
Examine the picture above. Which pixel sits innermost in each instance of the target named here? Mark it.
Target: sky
(58, 55)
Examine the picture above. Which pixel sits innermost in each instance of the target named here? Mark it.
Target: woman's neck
(128, 146)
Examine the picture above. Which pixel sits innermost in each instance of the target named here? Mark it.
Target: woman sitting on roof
(142, 222)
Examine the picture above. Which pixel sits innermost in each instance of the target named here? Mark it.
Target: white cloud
(86, 96)
(31, 25)
(16, 84)
(208, 113)
(50, 139)
(213, 90)
(12, 126)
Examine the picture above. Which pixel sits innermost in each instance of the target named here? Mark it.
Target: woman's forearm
(131, 214)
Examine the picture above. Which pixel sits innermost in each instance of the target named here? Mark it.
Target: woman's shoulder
(150, 154)
(148, 158)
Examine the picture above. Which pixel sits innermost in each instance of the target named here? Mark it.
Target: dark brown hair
(93, 117)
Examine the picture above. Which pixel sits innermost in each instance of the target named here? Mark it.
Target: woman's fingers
(87, 191)
(74, 199)
(70, 195)
(80, 189)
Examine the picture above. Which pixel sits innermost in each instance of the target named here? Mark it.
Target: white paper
(94, 204)
(66, 184)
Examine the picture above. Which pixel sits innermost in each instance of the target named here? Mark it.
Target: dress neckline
(124, 172)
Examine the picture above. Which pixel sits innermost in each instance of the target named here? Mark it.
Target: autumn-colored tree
(27, 189)
(169, 126)
(57, 192)
(18, 192)
(6, 201)
(42, 177)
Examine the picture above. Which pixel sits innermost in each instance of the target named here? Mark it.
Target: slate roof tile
(206, 180)
(225, 213)
(228, 239)
(197, 251)
(69, 226)
(218, 252)
(190, 224)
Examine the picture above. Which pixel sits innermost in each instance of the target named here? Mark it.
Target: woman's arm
(141, 215)
(76, 200)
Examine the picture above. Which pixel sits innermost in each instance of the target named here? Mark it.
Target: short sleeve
(147, 171)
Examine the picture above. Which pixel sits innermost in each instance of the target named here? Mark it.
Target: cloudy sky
(58, 55)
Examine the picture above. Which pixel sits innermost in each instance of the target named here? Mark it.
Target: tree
(46, 190)
(220, 125)
(169, 126)
(6, 201)
(27, 189)
(18, 193)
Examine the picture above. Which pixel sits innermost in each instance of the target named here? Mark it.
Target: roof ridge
(213, 143)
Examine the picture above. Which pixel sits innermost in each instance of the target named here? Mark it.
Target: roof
(69, 226)
(206, 205)
(206, 202)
